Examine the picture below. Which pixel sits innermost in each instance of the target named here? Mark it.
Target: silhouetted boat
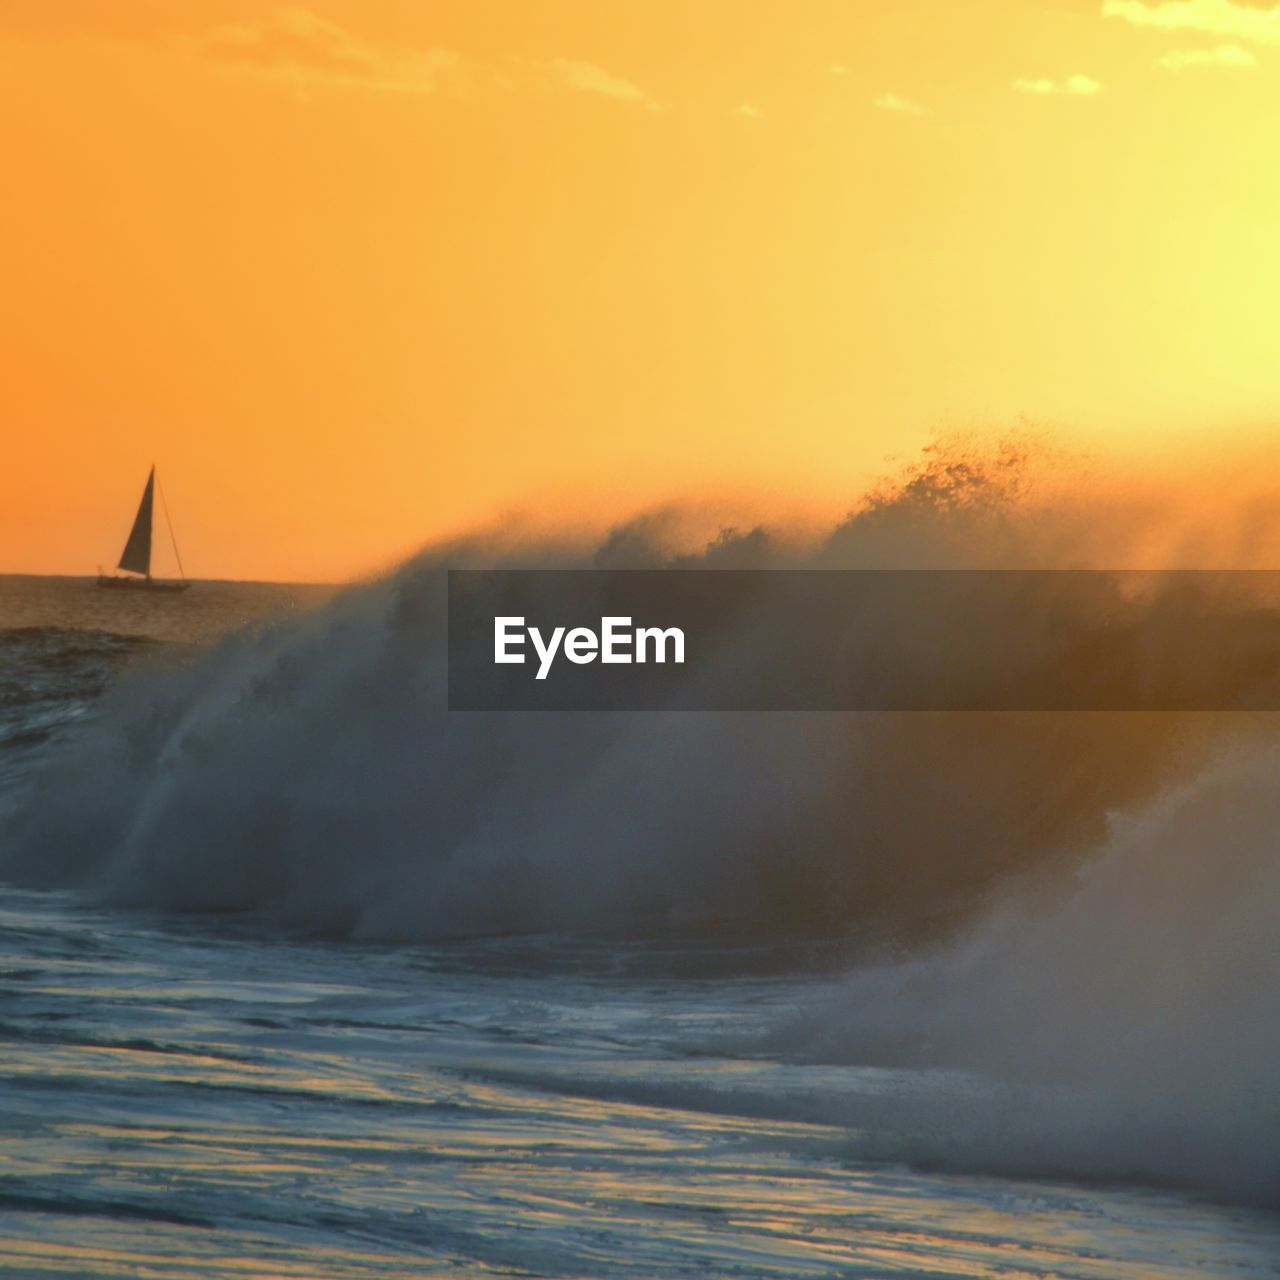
(135, 559)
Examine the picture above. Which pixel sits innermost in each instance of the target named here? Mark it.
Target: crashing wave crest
(1124, 966)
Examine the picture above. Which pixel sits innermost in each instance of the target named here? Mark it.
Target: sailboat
(135, 559)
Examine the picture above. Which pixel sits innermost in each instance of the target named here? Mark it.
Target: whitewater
(301, 975)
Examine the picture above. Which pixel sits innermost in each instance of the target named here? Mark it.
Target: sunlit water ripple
(209, 1104)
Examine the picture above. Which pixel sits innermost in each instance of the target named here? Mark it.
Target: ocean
(302, 977)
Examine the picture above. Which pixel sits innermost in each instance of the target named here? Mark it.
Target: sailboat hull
(115, 582)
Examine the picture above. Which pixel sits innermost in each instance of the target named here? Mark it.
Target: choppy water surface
(212, 1104)
(253, 1093)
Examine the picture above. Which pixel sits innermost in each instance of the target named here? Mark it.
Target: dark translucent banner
(863, 640)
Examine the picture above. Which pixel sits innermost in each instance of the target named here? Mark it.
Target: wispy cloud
(1073, 86)
(838, 69)
(1225, 55)
(1217, 17)
(748, 111)
(893, 102)
(304, 50)
(299, 48)
(586, 77)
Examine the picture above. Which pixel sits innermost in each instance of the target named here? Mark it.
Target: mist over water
(1076, 910)
(1127, 1024)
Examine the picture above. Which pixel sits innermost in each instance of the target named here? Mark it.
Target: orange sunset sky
(355, 273)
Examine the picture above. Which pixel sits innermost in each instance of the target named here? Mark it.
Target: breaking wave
(311, 772)
(1084, 904)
